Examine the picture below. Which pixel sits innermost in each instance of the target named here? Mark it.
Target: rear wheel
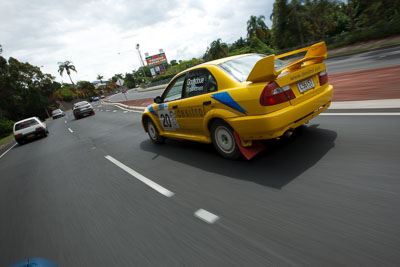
(76, 117)
(20, 142)
(154, 135)
(224, 140)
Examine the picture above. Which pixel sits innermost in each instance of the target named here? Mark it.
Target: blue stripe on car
(152, 110)
(226, 99)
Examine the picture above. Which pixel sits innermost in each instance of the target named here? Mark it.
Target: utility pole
(298, 23)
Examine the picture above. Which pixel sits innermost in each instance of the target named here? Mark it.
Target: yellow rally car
(235, 101)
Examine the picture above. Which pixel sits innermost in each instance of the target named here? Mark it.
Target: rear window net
(26, 124)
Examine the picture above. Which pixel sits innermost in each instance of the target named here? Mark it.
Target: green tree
(217, 49)
(24, 90)
(321, 20)
(129, 80)
(66, 66)
(285, 32)
(257, 27)
(173, 62)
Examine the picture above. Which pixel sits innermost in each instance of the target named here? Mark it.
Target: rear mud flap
(251, 151)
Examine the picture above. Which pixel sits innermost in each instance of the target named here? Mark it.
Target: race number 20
(168, 119)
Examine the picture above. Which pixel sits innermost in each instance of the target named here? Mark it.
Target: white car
(28, 129)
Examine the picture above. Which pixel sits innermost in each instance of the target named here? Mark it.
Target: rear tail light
(273, 94)
(39, 128)
(18, 135)
(323, 77)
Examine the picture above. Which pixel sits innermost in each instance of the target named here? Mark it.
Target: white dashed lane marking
(206, 216)
(69, 129)
(114, 111)
(147, 181)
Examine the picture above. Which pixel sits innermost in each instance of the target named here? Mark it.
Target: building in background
(157, 63)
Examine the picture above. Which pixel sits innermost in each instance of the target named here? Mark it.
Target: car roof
(36, 118)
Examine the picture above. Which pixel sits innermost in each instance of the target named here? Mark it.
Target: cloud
(99, 37)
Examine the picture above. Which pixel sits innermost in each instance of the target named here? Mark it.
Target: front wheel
(224, 140)
(154, 135)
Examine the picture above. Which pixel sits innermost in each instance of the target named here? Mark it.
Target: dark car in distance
(82, 109)
(57, 113)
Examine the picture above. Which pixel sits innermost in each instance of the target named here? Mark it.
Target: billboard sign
(156, 60)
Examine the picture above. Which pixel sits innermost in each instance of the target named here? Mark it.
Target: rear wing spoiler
(264, 70)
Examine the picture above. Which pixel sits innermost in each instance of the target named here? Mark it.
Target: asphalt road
(367, 60)
(328, 197)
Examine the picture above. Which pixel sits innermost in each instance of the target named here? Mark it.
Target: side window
(199, 82)
(175, 90)
(196, 83)
(211, 84)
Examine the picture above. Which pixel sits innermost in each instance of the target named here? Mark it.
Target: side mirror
(157, 99)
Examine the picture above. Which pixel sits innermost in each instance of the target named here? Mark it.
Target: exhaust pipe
(288, 134)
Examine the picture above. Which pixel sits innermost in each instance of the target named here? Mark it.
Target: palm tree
(67, 66)
(100, 78)
(216, 50)
(257, 27)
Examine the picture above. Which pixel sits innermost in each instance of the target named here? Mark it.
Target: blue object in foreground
(34, 262)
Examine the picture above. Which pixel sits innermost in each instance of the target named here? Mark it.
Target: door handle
(206, 103)
(175, 107)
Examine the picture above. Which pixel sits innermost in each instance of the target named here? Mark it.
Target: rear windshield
(25, 124)
(240, 68)
(81, 104)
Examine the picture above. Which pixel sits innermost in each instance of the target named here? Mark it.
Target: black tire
(76, 117)
(20, 142)
(224, 140)
(154, 135)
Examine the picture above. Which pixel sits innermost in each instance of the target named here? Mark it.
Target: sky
(100, 37)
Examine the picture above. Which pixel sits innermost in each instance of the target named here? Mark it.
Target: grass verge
(6, 139)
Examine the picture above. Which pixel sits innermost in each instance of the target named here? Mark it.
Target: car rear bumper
(275, 124)
(41, 132)
(85, 112)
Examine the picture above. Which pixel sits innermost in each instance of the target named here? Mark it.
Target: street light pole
(141, 59)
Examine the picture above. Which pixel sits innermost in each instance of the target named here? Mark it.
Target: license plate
(31, 135)
(305, 85)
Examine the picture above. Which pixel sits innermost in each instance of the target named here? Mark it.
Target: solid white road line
(8, 150)
(69, 129)
(141, 178)
(362, 114)
(206, 216)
